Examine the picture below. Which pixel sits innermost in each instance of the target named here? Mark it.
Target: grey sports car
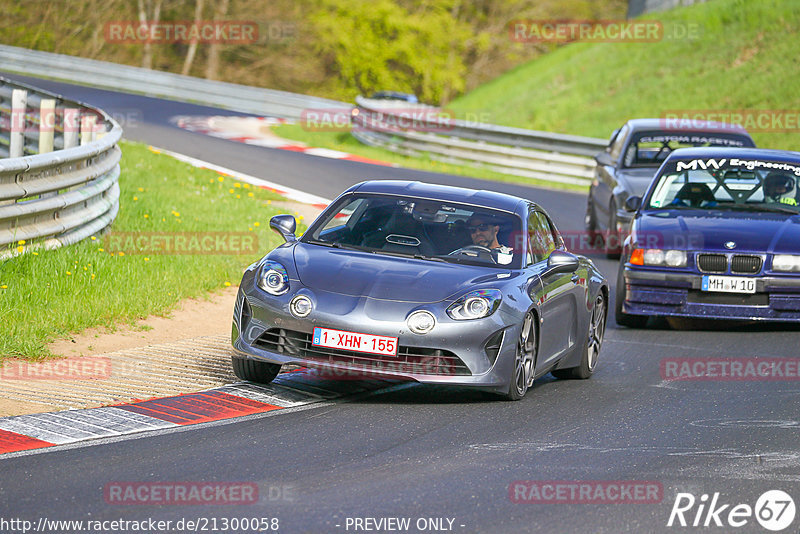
(441, 285)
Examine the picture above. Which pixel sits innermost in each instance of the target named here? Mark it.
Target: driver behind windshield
(779, 188)
(482, 232)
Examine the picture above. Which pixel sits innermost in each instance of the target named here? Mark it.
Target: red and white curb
(246, 130)
(288, 192)
(289, 390)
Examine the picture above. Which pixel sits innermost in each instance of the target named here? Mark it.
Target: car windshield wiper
(404, 255)
(334, 244)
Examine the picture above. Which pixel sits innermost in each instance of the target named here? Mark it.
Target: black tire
(592, 345)
(255, 371)
(612, 244)
(590, 219)
(622, 318)
(524, 361)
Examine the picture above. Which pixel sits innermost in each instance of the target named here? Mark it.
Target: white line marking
(288, 192)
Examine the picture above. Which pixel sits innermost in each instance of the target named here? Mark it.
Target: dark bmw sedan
(716, 236)
(430, 283)
(630, 161)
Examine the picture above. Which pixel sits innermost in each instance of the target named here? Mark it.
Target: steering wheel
(472, 248)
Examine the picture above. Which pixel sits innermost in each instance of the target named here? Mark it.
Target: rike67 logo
(774, 510)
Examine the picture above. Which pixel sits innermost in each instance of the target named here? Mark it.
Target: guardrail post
(87, 129)
(47, 125)
(19, 104)
(71, 127)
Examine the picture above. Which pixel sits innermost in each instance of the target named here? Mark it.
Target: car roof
(710, 152)
(687, 125)
(483, 198)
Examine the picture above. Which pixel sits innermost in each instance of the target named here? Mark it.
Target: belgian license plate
(340, 339)
(729, 284)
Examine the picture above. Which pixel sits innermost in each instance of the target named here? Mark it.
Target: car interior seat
(694, 194)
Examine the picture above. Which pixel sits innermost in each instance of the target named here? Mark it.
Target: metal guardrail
(160, 84)
(414, 130)
(59, 176)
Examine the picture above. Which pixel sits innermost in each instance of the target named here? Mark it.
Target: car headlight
(659, 258)
(788, 263)
(273, 278)
(421, 322)
(475, 305)
(301, 306)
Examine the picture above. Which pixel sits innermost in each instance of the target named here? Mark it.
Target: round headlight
(421, 322)
(675, 258)
(476, 306)
(273, 278)
(653, 256)
(301, 306)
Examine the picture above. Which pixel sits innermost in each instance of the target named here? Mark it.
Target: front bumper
(678, 294)
(469, 353)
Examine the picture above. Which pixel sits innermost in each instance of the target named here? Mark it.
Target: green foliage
(372, 45)
(742, 56)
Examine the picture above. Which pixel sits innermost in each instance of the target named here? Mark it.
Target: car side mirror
(604, 158)
(562, 262)
(285, 225)
(633, 203)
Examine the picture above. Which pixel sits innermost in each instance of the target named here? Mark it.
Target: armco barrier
(529, 153)
(59, 169)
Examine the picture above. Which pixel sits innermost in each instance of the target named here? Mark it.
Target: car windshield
(650, 149)
(432, 230)
(728, 184)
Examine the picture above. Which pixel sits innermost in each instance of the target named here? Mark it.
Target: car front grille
(742, 264)
(712, 263)
(409, 360)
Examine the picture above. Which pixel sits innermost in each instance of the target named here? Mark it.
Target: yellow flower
(249, 228)
(269, 202)
(99, 250)
(35, 253)
(121, 253)
(147, 259)
(237, 185)
(221, 178)
(3, 287)
(176, 213)
(230, 190)
(85, 268)
(250, 194)
(94, 238)
(211, 180)
(20, 249)
(92, 276)
(146, 216)
(256, 224)
(135, 198)
(301, 217)
(141, 189)
(227, 284)
(238, 196)
(21, 242)
(246, 186)
(69, 273)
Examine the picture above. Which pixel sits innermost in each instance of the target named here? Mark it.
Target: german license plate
(340, 339)
(729, 284)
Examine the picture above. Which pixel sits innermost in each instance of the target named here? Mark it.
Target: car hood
(710, 230)
(636, 181)
(377, 276)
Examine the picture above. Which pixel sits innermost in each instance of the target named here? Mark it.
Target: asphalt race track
(424, 452)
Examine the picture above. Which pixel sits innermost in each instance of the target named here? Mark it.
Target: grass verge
(737, 55)
(50, 294)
